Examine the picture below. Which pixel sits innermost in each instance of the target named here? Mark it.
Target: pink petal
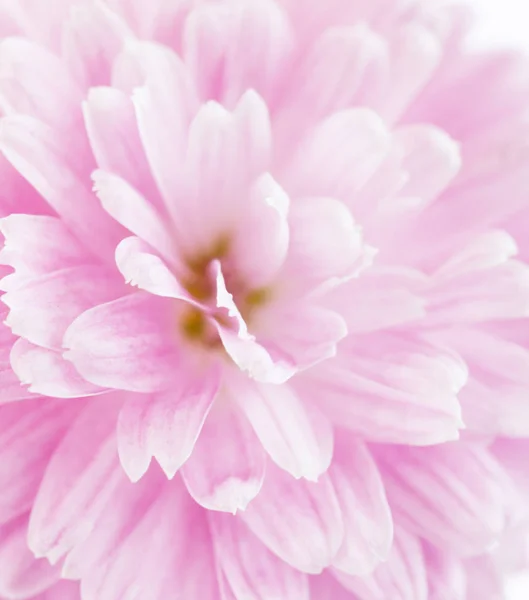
(112, 129)
(92, 38)
(165, 426)
(403, 577)
(179, 557)
(377, 379)
(250, 356)
(251, 570)
(415, 55)
(261, 242)
(22, 576)
(312, 260)
(142, 267)
(133, 211)
(11, 388)
(113, 526)
(334, 73)
(451, 495)
(298, 438)
(125, 344)
(325, 587)
(430, 158)
(304, 334)
(495, 400)
(47, 372)
(235, 47)
(78, 481)
(446, 574)
(226, 152)
(379, 299)
(36, 245)
(35, 151)
(42, 309)
(298, 521)
(500, 292)
(35, 82)
(163, 104)
(18, 195)
(29, 434)
(365, 509)
(226, 469)
(339, 156)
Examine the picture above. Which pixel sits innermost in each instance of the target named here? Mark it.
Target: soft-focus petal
(165, 426)
(227, 467)
(250, 569)
(298, 438)
(366, 512)
(299, 521)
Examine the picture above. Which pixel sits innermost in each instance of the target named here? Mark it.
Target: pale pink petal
(142, 267)
(496, 293)
(113, 526)
(28, 437)
(303, 334)
(92, 38)
(226, 469)
(226, 151)
(35, 151)
(133, 211)
(344, 64)
(495, 399)
(325, 587)
(164, 100)
(63, 590)
(159, 20)
(415, 54)
(48, 372)
(78, 481)
(179, 556)
(21, 575)
(367, 517)
(339, 156)
(261, 243)
(35, 245)
(484, 580)
(325, 243)
(446, 574)
(379, 299)
(112, 129)
(18, 196)
(11, 389)
(42, 309)
(430, 158)
(402, 577)
(35, 82)
(451, 495)
(125, 344)
(251, 357)
(250, 569)
(165, 426)
(235, 46)
(38, 21)
(297, 436)
(390, 388)
(298, 521)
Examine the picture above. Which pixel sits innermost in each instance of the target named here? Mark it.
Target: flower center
(195, 323)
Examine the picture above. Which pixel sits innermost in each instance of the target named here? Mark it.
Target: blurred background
(506, 23)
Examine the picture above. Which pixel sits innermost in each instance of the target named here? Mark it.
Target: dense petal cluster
(265, 276)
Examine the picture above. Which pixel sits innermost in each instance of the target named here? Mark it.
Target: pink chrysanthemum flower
(270, 244)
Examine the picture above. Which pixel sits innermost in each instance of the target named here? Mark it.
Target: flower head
(271, 245)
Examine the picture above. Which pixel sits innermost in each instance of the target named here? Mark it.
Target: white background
(506, 22)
